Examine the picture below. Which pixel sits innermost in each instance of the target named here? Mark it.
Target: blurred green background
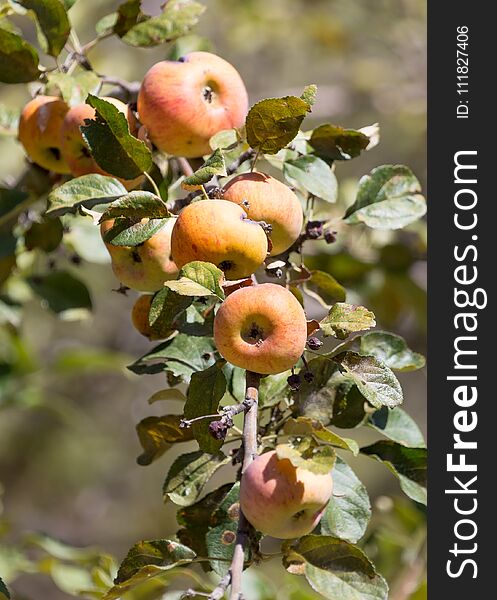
(68, 408)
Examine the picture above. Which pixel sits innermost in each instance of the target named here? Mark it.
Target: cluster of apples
(261, 328)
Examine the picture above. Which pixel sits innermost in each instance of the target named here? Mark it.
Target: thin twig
(247, 155)
(185, 166)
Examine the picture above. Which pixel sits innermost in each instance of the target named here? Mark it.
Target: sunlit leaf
(158, 434)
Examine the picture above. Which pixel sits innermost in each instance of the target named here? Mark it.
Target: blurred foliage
(68, 408)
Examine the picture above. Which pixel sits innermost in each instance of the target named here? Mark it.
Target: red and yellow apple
(262, 328)
(139, 316)
(147, 266)
(74, 148)
(39, 132)
(264, 198)
(219, 232)
(184, 103)
(282, 500)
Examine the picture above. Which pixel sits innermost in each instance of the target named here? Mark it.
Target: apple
(261, 328)
(282, 500)
(145, 267)
(264, 198)
(39, 132)
(74, 148)
(184, 103)
(139, 316)
(219, 232)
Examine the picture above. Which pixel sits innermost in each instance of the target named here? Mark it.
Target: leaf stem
(205, 194)
(153, 184)
(255, 160)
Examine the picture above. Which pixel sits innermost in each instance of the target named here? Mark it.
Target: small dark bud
(314, 229)
(294, 382)
(277, 273)
(215, 193)
(330, 236)
(76, 259)
(218, 430)
(52, 264)
(313, 343)
(308, 376)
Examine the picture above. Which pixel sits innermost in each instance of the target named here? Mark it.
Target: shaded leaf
(167, 394)
(177, 18)
(203, 397)
(348, 407)
(75, 88)
(127, 232)
(46, 235)
(158, 434)
(349, 509)
(326, 286)
(407, 464)
(61, 291)
(309, 94)
(334, 568)
(9, 120)
(128, 14)
(374, 380)
(198, 279)
(112, 146)
(214, 165)
(273, 123)
(306, 454)
(53, 22)
(166, 307)
(106, 24)
(388, 198)
(305, 426)
(12, 202)
(312, 175)
(88, 190)
(181, 356)
(189, 474)
(18, 59)
(392, 350)
(315, 398)
(4, 592)
(343, 319)
(398, 426)
(137, 205)
(336, 143)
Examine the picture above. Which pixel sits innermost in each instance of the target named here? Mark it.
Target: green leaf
(166, 307)
(127, 232)
(198, 279)
(326, 286)
(334, 568)
(374, 380)
(195, 520)
(127, 16)
(18, 59)
(148, 559)
(221, 536)
(336, 143)
(407, 464)
(4, 592)
(75, 88)
(313, 175)
(309, 94)
(315, 399)
(273, 389)
(225, 139)
(53, 22)
(306, 454)
(305, 426)
(213, 166)
(9, 120)
(273, 123)
(189, 474)
(349, 509)
(388, 198)
(112, 146)
(88, 190)
(181, 356)
(177, 18)
(344, 319)
(167, 394)
(158, 434)
(106, 24)
(392, 350)
(61, 291)
(137, 205)
(12, 202)
(348, 407)
(203, 397)
(46, 235)
(398, 426)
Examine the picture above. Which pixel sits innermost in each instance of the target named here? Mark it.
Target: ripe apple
(219, 232)
(261, 328)
(184, 103)
(74, 148)
(39, 132)
(139, 316)
(264, 198)
(147, 266)
(282, 500)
